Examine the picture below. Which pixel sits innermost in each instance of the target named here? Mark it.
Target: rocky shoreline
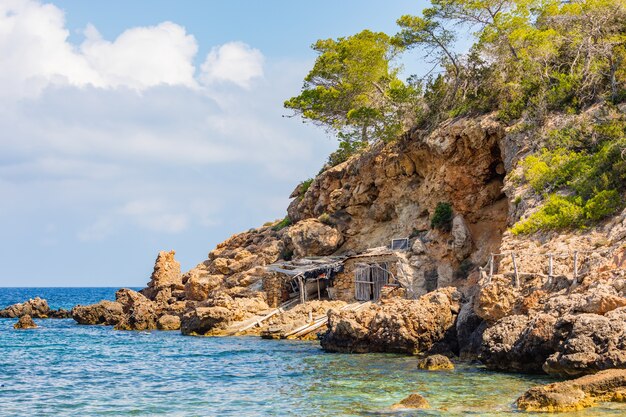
(551, 303)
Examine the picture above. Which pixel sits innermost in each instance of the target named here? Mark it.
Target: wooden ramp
(321, 321)
(245, 325)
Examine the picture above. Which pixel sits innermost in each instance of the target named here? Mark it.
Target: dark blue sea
(63, 369)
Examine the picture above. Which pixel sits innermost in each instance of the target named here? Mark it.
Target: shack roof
(307, 266)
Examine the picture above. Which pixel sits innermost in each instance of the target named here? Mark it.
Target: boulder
(519, 343)
(496, 300)
(589, 343)
(397, 325)
(469, 331)
(168, 322)
(139, 311)
(435, 363)
(105, 312)
(204, 320)
(414, 400)
(462, 238)
(311, 237)
(35, 307)
(576, 394)
(166, 275)
(25, 322)
(200, 284)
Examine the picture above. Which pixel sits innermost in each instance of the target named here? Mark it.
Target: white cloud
(142, 57)
(233, 62)
(35, 52)
(119, 148)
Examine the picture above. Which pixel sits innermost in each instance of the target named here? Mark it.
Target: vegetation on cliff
(531, 59)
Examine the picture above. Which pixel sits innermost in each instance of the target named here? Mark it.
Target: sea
(65, 369)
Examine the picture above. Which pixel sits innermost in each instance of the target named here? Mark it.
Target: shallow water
(63, 369)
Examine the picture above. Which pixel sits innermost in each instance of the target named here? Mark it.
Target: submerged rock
(25, 322)
(435, 363)
(576, 394)
(397, 325)
(105, 312)
(414, 400)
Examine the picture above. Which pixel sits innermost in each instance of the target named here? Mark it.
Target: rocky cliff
(523, 309)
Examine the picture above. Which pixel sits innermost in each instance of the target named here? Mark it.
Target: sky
(129, 127)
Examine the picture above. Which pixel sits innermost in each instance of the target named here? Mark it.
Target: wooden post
(302, 289)
(490, 267)
(319, 294)
(515, 269)
(576, 266)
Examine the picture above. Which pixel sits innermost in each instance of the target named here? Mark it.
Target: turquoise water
(63, 369)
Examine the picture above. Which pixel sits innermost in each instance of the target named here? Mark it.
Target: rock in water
(576, 394)
(105, 312)
(25, 322)
(35, 307)
(435, 363)
(396, 325)
(139, 311)
(414, 400)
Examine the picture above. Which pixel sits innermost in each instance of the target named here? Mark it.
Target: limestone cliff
(528, 308)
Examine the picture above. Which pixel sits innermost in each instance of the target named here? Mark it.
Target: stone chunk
(414, 400)
(25, 322)
(435, 363)
(576, 394)
(105, 312)
(311, 237)
(168, 322)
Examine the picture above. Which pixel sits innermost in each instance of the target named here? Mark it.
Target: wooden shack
(362, 277)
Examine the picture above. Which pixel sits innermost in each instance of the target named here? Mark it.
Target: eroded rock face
(576, 394)
(25, 322)
(519, 343)
(205, 320)
(200, 284)
(406, 326)
(589, 343)
(105, 312)
(166, 276)
(311, 237)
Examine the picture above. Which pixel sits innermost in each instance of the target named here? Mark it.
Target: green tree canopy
(354, 90)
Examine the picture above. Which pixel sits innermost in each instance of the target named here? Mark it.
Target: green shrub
(558, 212)
(603, 204)
(325, 218)
(286, 222)
(442, 218)
(304, 187)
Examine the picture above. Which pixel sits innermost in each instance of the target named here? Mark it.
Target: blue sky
(135, 126)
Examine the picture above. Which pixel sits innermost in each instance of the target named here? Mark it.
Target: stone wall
(343, 283)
